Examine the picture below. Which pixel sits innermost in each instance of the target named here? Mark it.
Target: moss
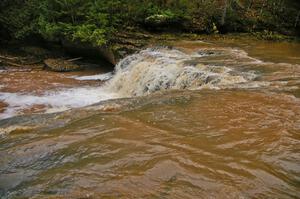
(272, 36)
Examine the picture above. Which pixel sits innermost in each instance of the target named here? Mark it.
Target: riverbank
(31, 55)
(99, 22)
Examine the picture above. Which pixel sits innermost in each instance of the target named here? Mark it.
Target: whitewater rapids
(148, 71)
(159, 69)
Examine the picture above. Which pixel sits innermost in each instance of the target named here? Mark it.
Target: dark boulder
(60, 65)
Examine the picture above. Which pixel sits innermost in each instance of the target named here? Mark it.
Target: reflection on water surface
(238, 140)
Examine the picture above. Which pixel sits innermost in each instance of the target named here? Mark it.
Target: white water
(153, 70)
(100, 77)
(148, 71)
(54, 101)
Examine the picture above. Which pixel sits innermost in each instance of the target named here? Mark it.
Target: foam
(146, 72)
(100, 77)
(54, 101)
(153, 70)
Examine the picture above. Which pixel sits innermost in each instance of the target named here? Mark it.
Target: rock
(164, 22)
(60, 65)
(89, 50)
(157, 20)
(123, 43)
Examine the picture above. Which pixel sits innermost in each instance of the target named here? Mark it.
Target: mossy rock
(163, 21)
(157, 20)
(60, 65)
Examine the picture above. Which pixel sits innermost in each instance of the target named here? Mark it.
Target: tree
(224, 13)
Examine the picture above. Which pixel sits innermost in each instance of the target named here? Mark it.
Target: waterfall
(156, 69)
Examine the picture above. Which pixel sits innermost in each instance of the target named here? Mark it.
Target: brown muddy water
(216, 119)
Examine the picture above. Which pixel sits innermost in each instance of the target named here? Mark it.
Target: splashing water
(146, 72)
(153, 70)
(231, 143)
(100, 77)
(54, 101)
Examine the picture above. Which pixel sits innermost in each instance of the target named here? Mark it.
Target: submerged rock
(60, 65)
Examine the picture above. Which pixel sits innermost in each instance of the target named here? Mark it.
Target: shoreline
(37, 51)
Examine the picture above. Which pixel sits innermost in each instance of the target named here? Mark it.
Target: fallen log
(74, 59)
(14, 64)
(19, 65)
(33, 63)
(8, 58)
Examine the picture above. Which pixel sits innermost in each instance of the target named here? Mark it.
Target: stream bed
(217, 119)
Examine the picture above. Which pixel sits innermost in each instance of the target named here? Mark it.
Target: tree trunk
(224, 12)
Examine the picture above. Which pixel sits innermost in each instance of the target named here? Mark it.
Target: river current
(216, 119)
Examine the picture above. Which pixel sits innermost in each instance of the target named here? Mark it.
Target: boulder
(157, 20)
(164, 22)
(61, 65)
(89, 50)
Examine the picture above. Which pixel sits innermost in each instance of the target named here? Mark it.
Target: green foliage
(87, 21)
(96, 21)
(18, 21)
(74, 20)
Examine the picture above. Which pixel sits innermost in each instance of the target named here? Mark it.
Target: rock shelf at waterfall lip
(61, 65)
(156, 69)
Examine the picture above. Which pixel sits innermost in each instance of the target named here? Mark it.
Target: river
(201, 119)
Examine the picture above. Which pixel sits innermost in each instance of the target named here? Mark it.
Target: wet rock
(60, 65)
(207, 53)
(15, 129)
(3, 105)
